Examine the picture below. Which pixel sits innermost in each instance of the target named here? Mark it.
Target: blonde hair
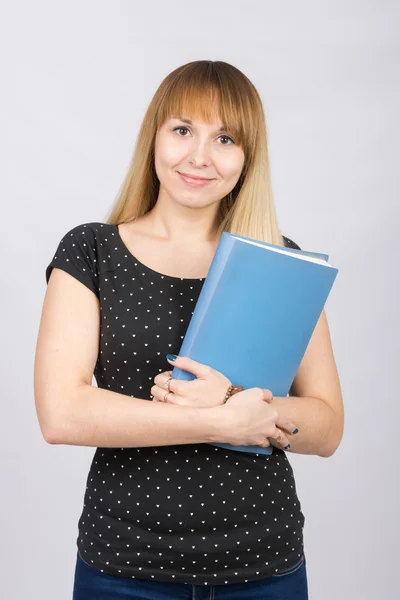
(201, 90)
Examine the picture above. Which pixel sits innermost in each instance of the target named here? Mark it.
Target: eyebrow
(189, 122)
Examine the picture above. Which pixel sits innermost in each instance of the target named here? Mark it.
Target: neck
(182, 224)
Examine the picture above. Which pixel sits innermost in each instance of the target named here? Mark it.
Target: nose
(199, 154)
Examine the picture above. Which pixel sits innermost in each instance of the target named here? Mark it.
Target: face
(199, 149)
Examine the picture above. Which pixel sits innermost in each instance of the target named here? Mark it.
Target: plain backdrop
(76, 79)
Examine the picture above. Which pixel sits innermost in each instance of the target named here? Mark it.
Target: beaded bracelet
(232, 389)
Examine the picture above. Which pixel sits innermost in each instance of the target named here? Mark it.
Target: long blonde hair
(198, 90)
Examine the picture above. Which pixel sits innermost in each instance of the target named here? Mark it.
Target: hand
(195, 393)
(206, 391)
(251, 415)
(249, 419)
(284, 426)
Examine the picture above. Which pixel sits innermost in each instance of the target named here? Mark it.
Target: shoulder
(90, 248)
(83, 251)
(85, 231)
(94, 237)
(290, 243)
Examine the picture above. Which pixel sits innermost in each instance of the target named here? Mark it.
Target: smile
(194, 181)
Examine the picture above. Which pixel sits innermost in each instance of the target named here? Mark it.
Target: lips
(194, 181)
(196, 177)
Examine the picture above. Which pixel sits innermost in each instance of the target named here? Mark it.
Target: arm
(317, 405)
(99, 417)
(316, 422)
(72, 411)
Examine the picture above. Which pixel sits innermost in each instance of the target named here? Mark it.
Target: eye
(228, 138)
(182, 128)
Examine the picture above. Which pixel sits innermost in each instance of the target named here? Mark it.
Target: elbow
(46, 417)
(57, 432)
(327, 453)
(49, 434)
(54, 413)
(50, 427)
(50, 437)
(334, 444)
(335, 434)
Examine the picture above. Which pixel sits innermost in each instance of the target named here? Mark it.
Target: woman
(167, 515)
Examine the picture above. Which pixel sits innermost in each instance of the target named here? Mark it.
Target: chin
(192, 202)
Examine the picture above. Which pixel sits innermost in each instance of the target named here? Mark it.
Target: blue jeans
(92, 584)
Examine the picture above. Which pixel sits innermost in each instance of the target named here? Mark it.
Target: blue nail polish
(287, 447)
(172, 356)
(295, 431)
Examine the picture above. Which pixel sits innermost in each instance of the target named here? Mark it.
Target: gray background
(76, 80)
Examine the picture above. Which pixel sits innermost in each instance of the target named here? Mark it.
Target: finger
(179, 400)
(173, 398)
(188, 364)
(265, 444)
(268, 396)
(284, 423)
(283, 440)
(161, 378)
(177, 386)
(158, 393)
(288, 425)
(166, 381)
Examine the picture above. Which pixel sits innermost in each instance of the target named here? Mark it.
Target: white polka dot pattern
(191, 513)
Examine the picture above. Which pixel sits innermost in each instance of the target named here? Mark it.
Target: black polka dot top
(192, 513)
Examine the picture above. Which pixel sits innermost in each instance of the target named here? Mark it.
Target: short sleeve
(77, 255)
(290, 243)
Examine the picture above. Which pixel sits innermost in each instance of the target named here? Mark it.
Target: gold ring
(166, 385)
(165, 397)
(279, 437)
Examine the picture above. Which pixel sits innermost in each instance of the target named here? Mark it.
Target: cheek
(230, 171)
(168, 155)
(230, 163)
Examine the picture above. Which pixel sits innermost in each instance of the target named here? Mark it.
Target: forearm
(102, 418)
(320, 429)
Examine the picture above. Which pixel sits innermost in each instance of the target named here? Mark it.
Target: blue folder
(255, 315)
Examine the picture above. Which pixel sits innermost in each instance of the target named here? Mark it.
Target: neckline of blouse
(149, 269)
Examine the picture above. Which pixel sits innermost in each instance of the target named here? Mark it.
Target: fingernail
(172, 356)
(295, 431)
(287, 447)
